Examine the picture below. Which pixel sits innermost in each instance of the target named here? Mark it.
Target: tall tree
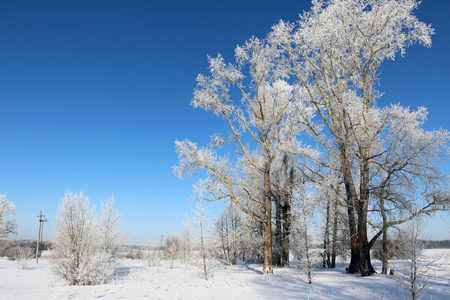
(335, 51)
(256, 101)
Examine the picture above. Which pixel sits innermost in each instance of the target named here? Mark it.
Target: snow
(136, 280)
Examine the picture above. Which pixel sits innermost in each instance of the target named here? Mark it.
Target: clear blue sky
(93, 95)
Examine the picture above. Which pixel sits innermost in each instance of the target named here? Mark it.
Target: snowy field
(136, 280)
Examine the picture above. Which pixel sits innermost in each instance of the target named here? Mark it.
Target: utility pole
(41, 225)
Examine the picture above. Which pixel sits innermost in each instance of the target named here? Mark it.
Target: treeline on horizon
(47, 245)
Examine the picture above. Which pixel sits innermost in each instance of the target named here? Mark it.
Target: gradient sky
(93, 95)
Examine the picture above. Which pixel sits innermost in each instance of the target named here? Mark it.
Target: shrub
(79, 256)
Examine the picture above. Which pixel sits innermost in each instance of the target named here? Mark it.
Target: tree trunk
(286, 232)
(268, 265)
(385, 254)
(335, 224)
(365, 264)
(353, 268)
(360, 250)
(326, 238)
(234, 226)
(287, 198)
(385, 239)
(305, 236)
(278, 234)
(203, 248)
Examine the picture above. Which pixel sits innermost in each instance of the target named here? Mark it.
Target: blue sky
(93, 95)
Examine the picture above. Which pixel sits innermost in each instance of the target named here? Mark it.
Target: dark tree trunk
(286, 232)
(278, 234)
(353, 268)
(385, 254)
(385, 239)
(335, 224)
(234, 226)
(360, 250)
(268, 264)
(365, 264)
(326, 238)
(287, 197)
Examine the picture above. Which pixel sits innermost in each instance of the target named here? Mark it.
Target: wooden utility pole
(39, 239)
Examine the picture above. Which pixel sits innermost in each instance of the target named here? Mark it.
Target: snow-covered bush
(173, 248)
(131, 254)
(22, 256)
(79, 256)
(153, 258)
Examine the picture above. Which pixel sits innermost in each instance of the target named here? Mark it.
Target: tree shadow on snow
(123, 272)
(251, 268)
(290, 283)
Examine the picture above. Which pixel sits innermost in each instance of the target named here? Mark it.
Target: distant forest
(46, 245)
(439, 244)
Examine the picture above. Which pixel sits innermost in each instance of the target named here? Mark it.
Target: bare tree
(7, 208)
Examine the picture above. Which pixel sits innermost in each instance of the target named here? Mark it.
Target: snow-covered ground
(136, 280)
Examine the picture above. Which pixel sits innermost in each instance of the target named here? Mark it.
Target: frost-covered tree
(306, 212)
(188, 244)
(112, 237)
(173, 248)
(326, 255)
(229, 229)
(305, 203)
(78, 257)
(201, 222)
(257, 102)
(154, 254)
(335, 51)
(7, 208)
(406, 175)
(415, 275)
